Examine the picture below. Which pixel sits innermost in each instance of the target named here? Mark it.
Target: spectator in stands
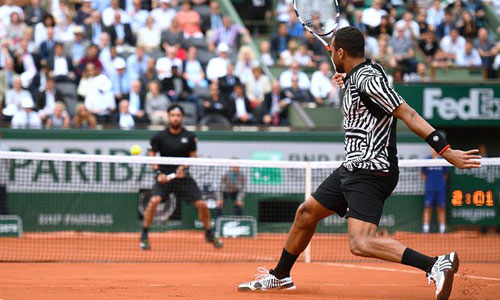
(457, 9)
(108, 15)
(241, 107)
(59, 119)
(6, 11)
(385, 27)
(60, 65)
(244, 64)
(385, 56)
(303, 58)
(279, 40)
(177, 88)
(164, 64)
(34, 13)
(123, 118)
(28, 36)
(446, 26)
(423, 27)
(265, 53)
(452, 44)
(46, 99)
(214, 19)
(47, 46)
(27, 63)
(13, 98)
(283, 7)
(27, 117)
(189, 20)
(476, 8)
(228, 33)
(257, 86)
(322, 89)
(358, 21)
(275, 106)
(6, 77)
(295, 28)
(163, 15)
(85, 83)
(419, 76)
(15, 29)
(296, 93)
(172, 36)
(91, 57)
(469, 29)
(193, 71)
(217, 66)
(314, 46)
(469, 57)
(40, 32)
(83, 14)
(286, 77)
(120, 33)
(60, 10)
(441, 60)
(105, 55)
(372, 16)
(100, 100)
(5, 51)
(120, 79)
(428, 45)
(38, 81)
(156, 104)
(137, 16)
(100, 5)
(227, 82)
(83, 118)
(216, 104)
(137, 63)
(435, 14)
(411, 29)
(150, 74)
(485, 47)
(95, 28)
(76, 49)
(402, 47)
(259, 11)
(371, 45)
(137, 99)
(149, 36)
(286, 57)
(232, 188)
(64, 30)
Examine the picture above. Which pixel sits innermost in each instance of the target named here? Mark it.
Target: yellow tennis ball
(135, 150)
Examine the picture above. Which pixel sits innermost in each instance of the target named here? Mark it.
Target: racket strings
(321, 17)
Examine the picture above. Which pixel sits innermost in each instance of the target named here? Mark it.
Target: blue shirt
(121, 84)
(296, 31)
(435, 179)
(136, 67)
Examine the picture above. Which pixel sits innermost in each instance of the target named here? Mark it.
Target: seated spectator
(7, 9)
(295, 28)
(13, 98)
(137, 99)
(105, 55)
(83, 14)
(279, 40)
(85, 83)
(83, 118)
(435, 14)
(286, 77)
(76, 49)
(214, 19)
(314, 46)
(27, 63)
(452, 44)
(446, 26)
(469, 29)
(64, 30)
(15, 29)
(244, 64)
(428, 45)
(92, 57)
(228, 81)
(5, 51)
(123, 118)
(177, 88)
(242, 109)
(385, 56)
(371, 45)
(402, 48)
(287, 57)
(150, 74)
(358, 21)
(385, 27)
(485, 47)
(34, 13)
(149, 36)
(6, 76)
(322, 89)
(217, 66)
(419, 76)
(441, 60)
(228, 34)
(172, 36)
(137, 16)
(163, 15)
(60, 65)
(457, 9)
(423, 27)
(258, 11)
(411, 29)
(164, 64)
(48, 45)
(156, 104)
(469, 57)
(496, 61)
(283, 7)
(257, 86)
(275, 106)
(100, 100)
(232, 187)
(59, 119)
(189, 20)
(120, 33)
(193, 71)
(297, 94)
(265, 53)
(95, 28)
(217, 104)
(27, 117)
(38, 82)
(476, 8)
(46, 100)
(121, 79)
(108, 15)
(137, 63)
(372, 16)
(40, 31)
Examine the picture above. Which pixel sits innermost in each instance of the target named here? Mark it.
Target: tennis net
(89, 208)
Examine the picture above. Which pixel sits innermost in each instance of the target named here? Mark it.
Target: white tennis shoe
(265, 280)
(442, 273)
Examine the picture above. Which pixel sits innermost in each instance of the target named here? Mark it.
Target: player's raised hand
(339, 79)
(162, 178)
(462, 159)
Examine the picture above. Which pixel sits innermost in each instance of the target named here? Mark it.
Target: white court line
(397, 270)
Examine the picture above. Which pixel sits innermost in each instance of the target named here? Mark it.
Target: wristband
(437, 142)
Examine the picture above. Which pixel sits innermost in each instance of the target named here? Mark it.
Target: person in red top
(189, 20)
(91, 57)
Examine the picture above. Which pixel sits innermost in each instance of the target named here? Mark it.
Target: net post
(308, 191)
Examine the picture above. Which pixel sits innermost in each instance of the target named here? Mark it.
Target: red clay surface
(219, 281)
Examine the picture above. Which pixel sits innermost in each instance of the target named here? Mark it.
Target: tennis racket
(320, 18)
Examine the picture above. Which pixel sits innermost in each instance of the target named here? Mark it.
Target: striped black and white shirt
(370, 128)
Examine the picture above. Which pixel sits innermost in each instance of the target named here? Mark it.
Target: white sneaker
(267, 281)
(442, 273)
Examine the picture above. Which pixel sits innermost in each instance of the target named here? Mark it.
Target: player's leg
(441, 213)
(149, 214)
(427, 214)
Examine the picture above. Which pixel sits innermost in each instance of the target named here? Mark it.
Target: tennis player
(175, 141)
(357, 190)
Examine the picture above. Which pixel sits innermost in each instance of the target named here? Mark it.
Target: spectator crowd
(121, 63)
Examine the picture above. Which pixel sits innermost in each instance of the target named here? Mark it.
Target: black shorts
(184, 189)
(359, 194)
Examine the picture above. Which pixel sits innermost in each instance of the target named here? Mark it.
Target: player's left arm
(417, 124)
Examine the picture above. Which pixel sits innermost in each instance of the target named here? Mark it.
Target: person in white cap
(217, 66)
(120, 79)
(27, 117)
(76, 49)
(163, 15)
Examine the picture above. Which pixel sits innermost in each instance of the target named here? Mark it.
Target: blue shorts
(435, 198)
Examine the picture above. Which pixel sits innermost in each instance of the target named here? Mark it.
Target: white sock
(442, 228)
(425, 228)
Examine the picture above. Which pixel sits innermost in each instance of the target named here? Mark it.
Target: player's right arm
(161, 177)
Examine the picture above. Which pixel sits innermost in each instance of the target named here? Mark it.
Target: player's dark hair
(351, 40)
(175, 106)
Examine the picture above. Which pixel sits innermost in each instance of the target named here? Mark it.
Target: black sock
(285, 264)
(237, 210)
(209, 233)
(144, 234)
(417, 260)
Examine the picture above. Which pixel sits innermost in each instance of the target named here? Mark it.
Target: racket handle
(171, 176)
